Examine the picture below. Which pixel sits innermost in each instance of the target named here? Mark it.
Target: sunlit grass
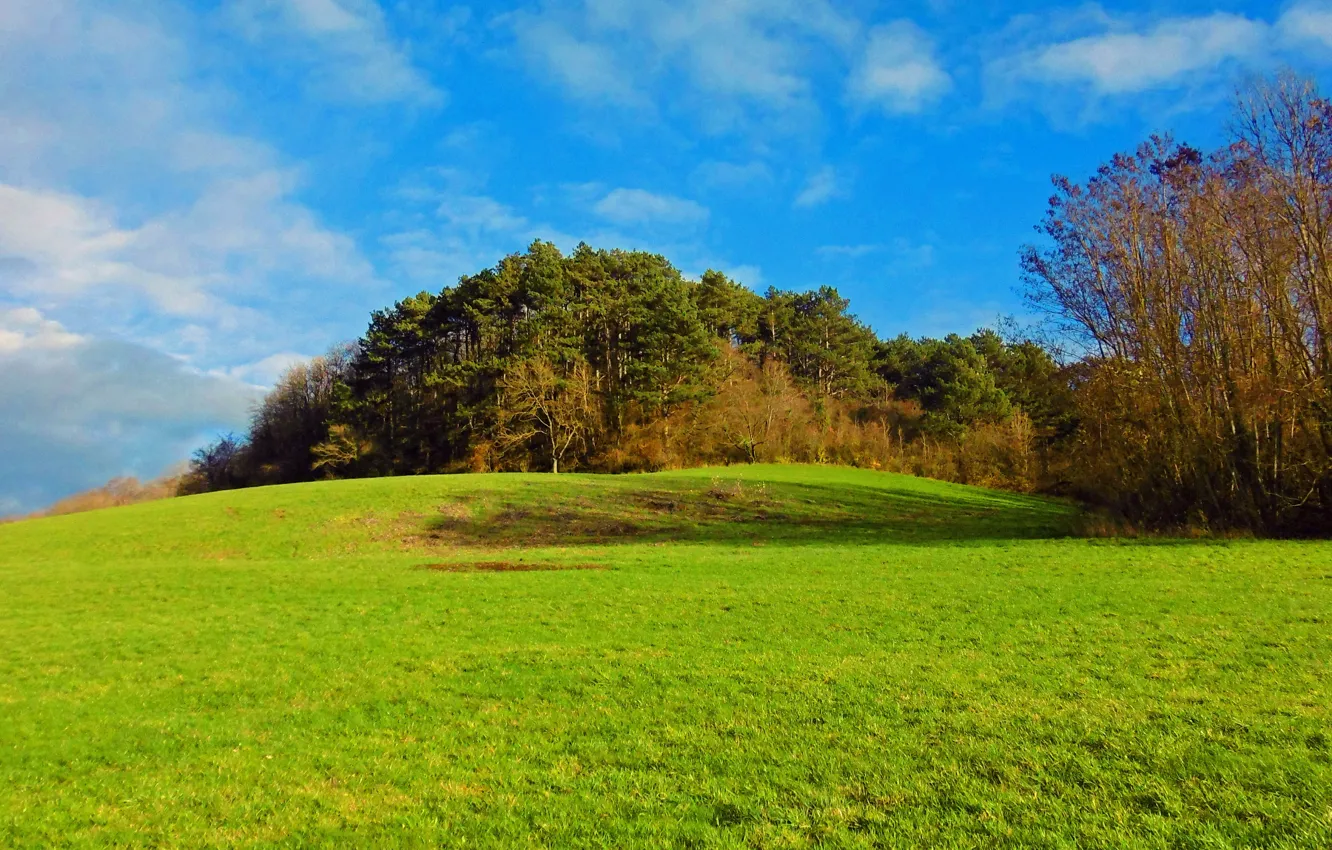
(769, 657)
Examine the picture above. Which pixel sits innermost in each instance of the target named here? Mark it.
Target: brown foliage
(115, 493)
(543, 403)
(758, 415)
(1202, 287)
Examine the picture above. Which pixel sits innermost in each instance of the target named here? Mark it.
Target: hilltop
(767, 656)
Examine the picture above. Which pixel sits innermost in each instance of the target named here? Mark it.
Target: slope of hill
(760, 656)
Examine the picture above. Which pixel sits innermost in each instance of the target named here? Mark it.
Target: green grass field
(756, 657)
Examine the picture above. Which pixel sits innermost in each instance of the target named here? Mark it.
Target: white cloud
(266, 371)
(480, 213)
(344, 44)
(851, 252)
(715, 174)
(586, 69)
(637, 206)
(1118, 58)
(721, 58)
(821, 187)
(899, 71)
(236, 237)
(134, 223)
(748, 275)
(1128, 62)
(1305, 23)
(26, 329)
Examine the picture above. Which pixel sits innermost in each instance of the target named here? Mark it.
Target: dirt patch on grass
(618, 515)
(508, 567)
(620, 510)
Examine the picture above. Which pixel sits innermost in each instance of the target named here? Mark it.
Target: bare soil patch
(508, 567)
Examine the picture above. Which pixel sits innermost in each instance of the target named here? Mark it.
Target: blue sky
(193, 195)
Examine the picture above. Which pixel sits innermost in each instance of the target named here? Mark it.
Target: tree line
(1184, 375)
(1198, 286)
(614, 361)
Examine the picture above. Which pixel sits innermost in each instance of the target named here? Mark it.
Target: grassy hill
(764, 657)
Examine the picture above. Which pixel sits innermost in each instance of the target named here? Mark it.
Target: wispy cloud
(638, 206)
(821, 187)
(850, 252)
(898, 71)
(449, 226)
(344, 45)
(1104, 56)
(586, 68)
(714, 174)
(906, 255)
(728, 61)
(1306, 23)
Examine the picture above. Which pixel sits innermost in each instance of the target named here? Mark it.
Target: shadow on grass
(741, 513)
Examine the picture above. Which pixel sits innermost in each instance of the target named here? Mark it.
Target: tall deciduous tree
(1201, 288)
(554, 406)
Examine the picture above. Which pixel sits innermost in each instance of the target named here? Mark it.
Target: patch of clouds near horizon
(101, 407)
(145, 249)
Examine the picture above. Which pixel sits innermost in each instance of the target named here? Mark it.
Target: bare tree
(758, 405)
(1201, 286)
(557, 406)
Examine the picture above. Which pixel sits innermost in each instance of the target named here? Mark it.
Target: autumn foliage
(1199, 287)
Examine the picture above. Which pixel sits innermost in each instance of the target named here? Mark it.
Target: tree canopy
(614, 360)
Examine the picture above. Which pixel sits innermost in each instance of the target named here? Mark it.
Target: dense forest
(613, 361)
(1183, 378)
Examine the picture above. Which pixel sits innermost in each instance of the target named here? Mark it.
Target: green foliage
(824, 346)
(727, 309)
(1032, 380)
(949, 378)
(672, 373)
(770, 657)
